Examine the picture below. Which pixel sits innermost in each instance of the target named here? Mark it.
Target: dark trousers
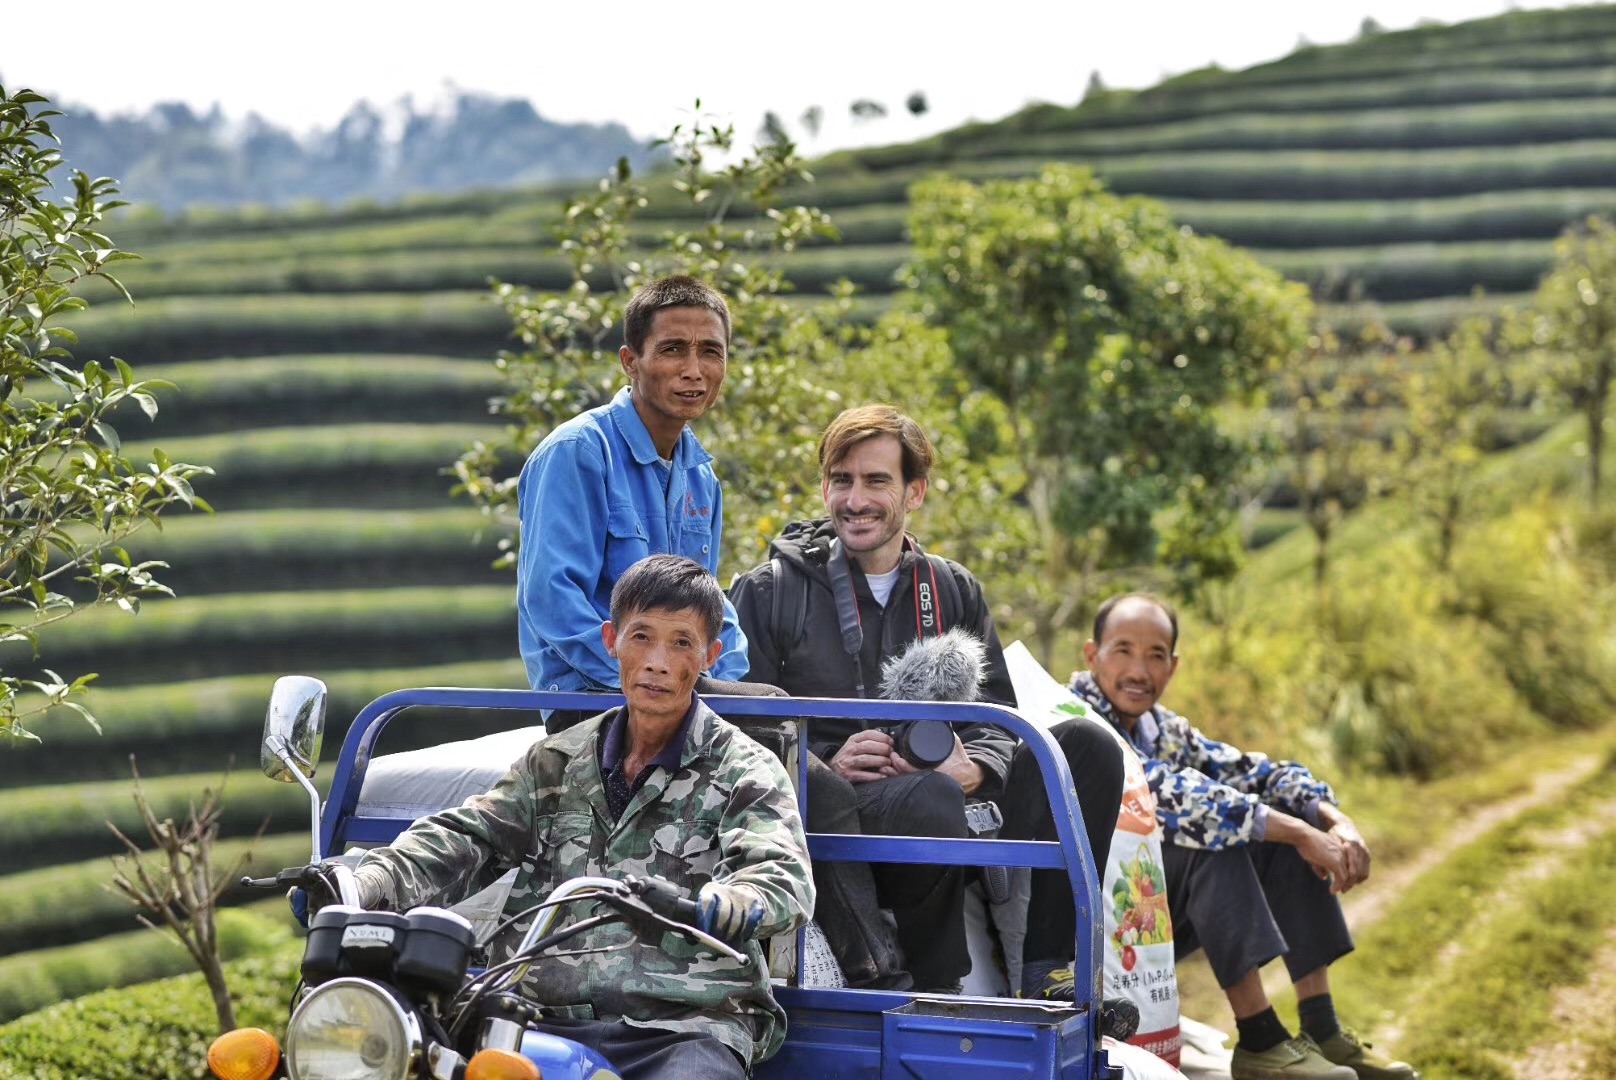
(648, 1053)
(1095, 759)
(928, 901)
(848, 908)
(1246, 905)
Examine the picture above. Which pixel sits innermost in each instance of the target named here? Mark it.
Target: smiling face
(677, 372)
(659, 653)
(869, 501)
(1135, 661)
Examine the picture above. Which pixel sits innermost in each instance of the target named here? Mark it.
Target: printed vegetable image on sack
(1139, 904)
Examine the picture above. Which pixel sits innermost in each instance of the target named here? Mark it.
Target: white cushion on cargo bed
(420, 782)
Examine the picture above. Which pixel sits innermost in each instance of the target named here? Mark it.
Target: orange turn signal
(244, 1054)
(501, 1065)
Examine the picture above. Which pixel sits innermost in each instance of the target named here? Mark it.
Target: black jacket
(818, 666)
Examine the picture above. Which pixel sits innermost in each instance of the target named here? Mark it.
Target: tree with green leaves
(731, 235)
(68, 494)
(1451, 401)
(1574, 331)
(794, 363)
(1113, 337)
(1334, 454)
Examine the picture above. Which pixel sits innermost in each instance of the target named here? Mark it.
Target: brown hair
(669, 292)
(853, 426)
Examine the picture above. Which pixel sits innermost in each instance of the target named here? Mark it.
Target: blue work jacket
(595, 499)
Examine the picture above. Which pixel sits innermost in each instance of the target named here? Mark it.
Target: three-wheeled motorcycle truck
(389, 996)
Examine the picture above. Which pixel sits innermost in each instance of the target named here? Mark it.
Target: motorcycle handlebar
(665, 899)
(336, 877)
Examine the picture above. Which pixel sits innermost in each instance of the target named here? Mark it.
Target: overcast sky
(303, 64)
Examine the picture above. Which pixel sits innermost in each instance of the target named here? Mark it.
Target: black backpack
(788, 609)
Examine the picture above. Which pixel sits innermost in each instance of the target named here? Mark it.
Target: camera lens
(925, 746)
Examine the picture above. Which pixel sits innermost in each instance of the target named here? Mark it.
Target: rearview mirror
(293, 727)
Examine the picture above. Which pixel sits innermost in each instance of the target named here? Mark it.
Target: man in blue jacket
(1257, 851)
(620, 482)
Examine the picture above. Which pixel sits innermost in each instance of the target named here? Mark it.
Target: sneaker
(1119, 1017)
(1058, 984)
(1345, 1048)
(1293, 1059)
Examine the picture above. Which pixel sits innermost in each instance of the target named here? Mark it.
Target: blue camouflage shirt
(1209, 794)
(595, 499)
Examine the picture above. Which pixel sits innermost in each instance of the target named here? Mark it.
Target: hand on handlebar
(730, 913)
(312, 886)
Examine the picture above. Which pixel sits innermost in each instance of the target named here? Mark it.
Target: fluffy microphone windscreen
(949, 667)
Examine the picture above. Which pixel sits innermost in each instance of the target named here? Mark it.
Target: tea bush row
(33, 980)
(391, 466)
(200, 724)
(1502, 123)
(234, 394)
(71, 902)
(67, 823)
(237, 633)
(188, 328)
(302, 549)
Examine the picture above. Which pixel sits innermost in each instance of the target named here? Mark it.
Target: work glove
(730, 913)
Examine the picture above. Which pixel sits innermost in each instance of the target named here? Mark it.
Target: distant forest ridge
(171, 156)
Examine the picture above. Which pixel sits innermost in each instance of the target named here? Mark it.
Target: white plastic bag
(1138, 957)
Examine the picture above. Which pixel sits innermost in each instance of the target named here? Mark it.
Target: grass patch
(1391, 973)
(1380, 804)
(1601, 1059)
(1510, 967)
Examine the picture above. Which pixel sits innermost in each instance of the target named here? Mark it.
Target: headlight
(351, 1029)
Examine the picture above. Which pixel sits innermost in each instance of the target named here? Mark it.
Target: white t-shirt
(881, 585)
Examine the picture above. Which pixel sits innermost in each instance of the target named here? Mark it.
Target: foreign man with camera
(841, 599)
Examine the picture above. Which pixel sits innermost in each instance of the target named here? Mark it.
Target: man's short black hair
(1105, 613)
(669, 583)
(669, 292)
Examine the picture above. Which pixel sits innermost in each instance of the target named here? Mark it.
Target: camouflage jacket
(728, 814)
(1209, 794)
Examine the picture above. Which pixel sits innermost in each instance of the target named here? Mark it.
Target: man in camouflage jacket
(702, 806)
(1256, 852)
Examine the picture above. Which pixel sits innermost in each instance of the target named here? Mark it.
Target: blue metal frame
(339, 826)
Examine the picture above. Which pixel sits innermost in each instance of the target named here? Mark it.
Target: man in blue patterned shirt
(1257, 851)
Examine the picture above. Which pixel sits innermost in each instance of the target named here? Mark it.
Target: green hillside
(331, 363)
